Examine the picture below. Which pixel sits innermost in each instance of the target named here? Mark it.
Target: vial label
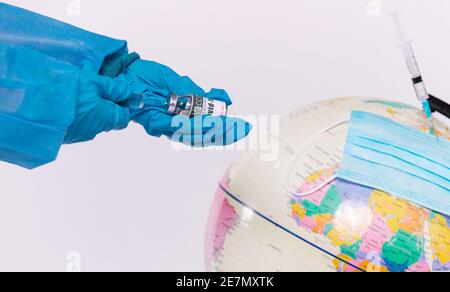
(197, 106)
(193, 106)
(215, 107)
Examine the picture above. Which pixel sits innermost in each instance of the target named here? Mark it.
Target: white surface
(114, 200)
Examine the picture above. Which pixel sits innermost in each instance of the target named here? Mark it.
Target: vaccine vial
(192, 106)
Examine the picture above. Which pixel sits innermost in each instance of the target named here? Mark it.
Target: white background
(129, 202)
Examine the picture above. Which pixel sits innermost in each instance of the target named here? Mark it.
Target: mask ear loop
(291, 163)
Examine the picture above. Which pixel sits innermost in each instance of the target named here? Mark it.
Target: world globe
(257, 224)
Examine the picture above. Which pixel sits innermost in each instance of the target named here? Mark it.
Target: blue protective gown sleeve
(57, 39)
(37, 105)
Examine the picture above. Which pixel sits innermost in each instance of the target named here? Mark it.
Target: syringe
(414, 70)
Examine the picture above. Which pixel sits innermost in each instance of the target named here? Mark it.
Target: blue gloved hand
(97, 106)
(160, 82)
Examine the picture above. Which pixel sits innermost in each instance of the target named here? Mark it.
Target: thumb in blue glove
(98, 106)
(160, 82)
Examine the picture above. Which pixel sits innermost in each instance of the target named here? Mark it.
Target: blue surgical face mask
(399, 160)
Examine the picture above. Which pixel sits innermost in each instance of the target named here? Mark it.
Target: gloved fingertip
(221, 95)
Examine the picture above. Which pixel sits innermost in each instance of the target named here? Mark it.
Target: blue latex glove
(160, 82)
(97, 106)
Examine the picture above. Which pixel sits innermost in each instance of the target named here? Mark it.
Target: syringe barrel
(411, 60)
(414, 70)
(406, 48)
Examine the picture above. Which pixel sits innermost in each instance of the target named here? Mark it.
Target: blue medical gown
(40, 59)
(55, 38)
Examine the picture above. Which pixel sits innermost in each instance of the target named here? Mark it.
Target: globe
(257, 225)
